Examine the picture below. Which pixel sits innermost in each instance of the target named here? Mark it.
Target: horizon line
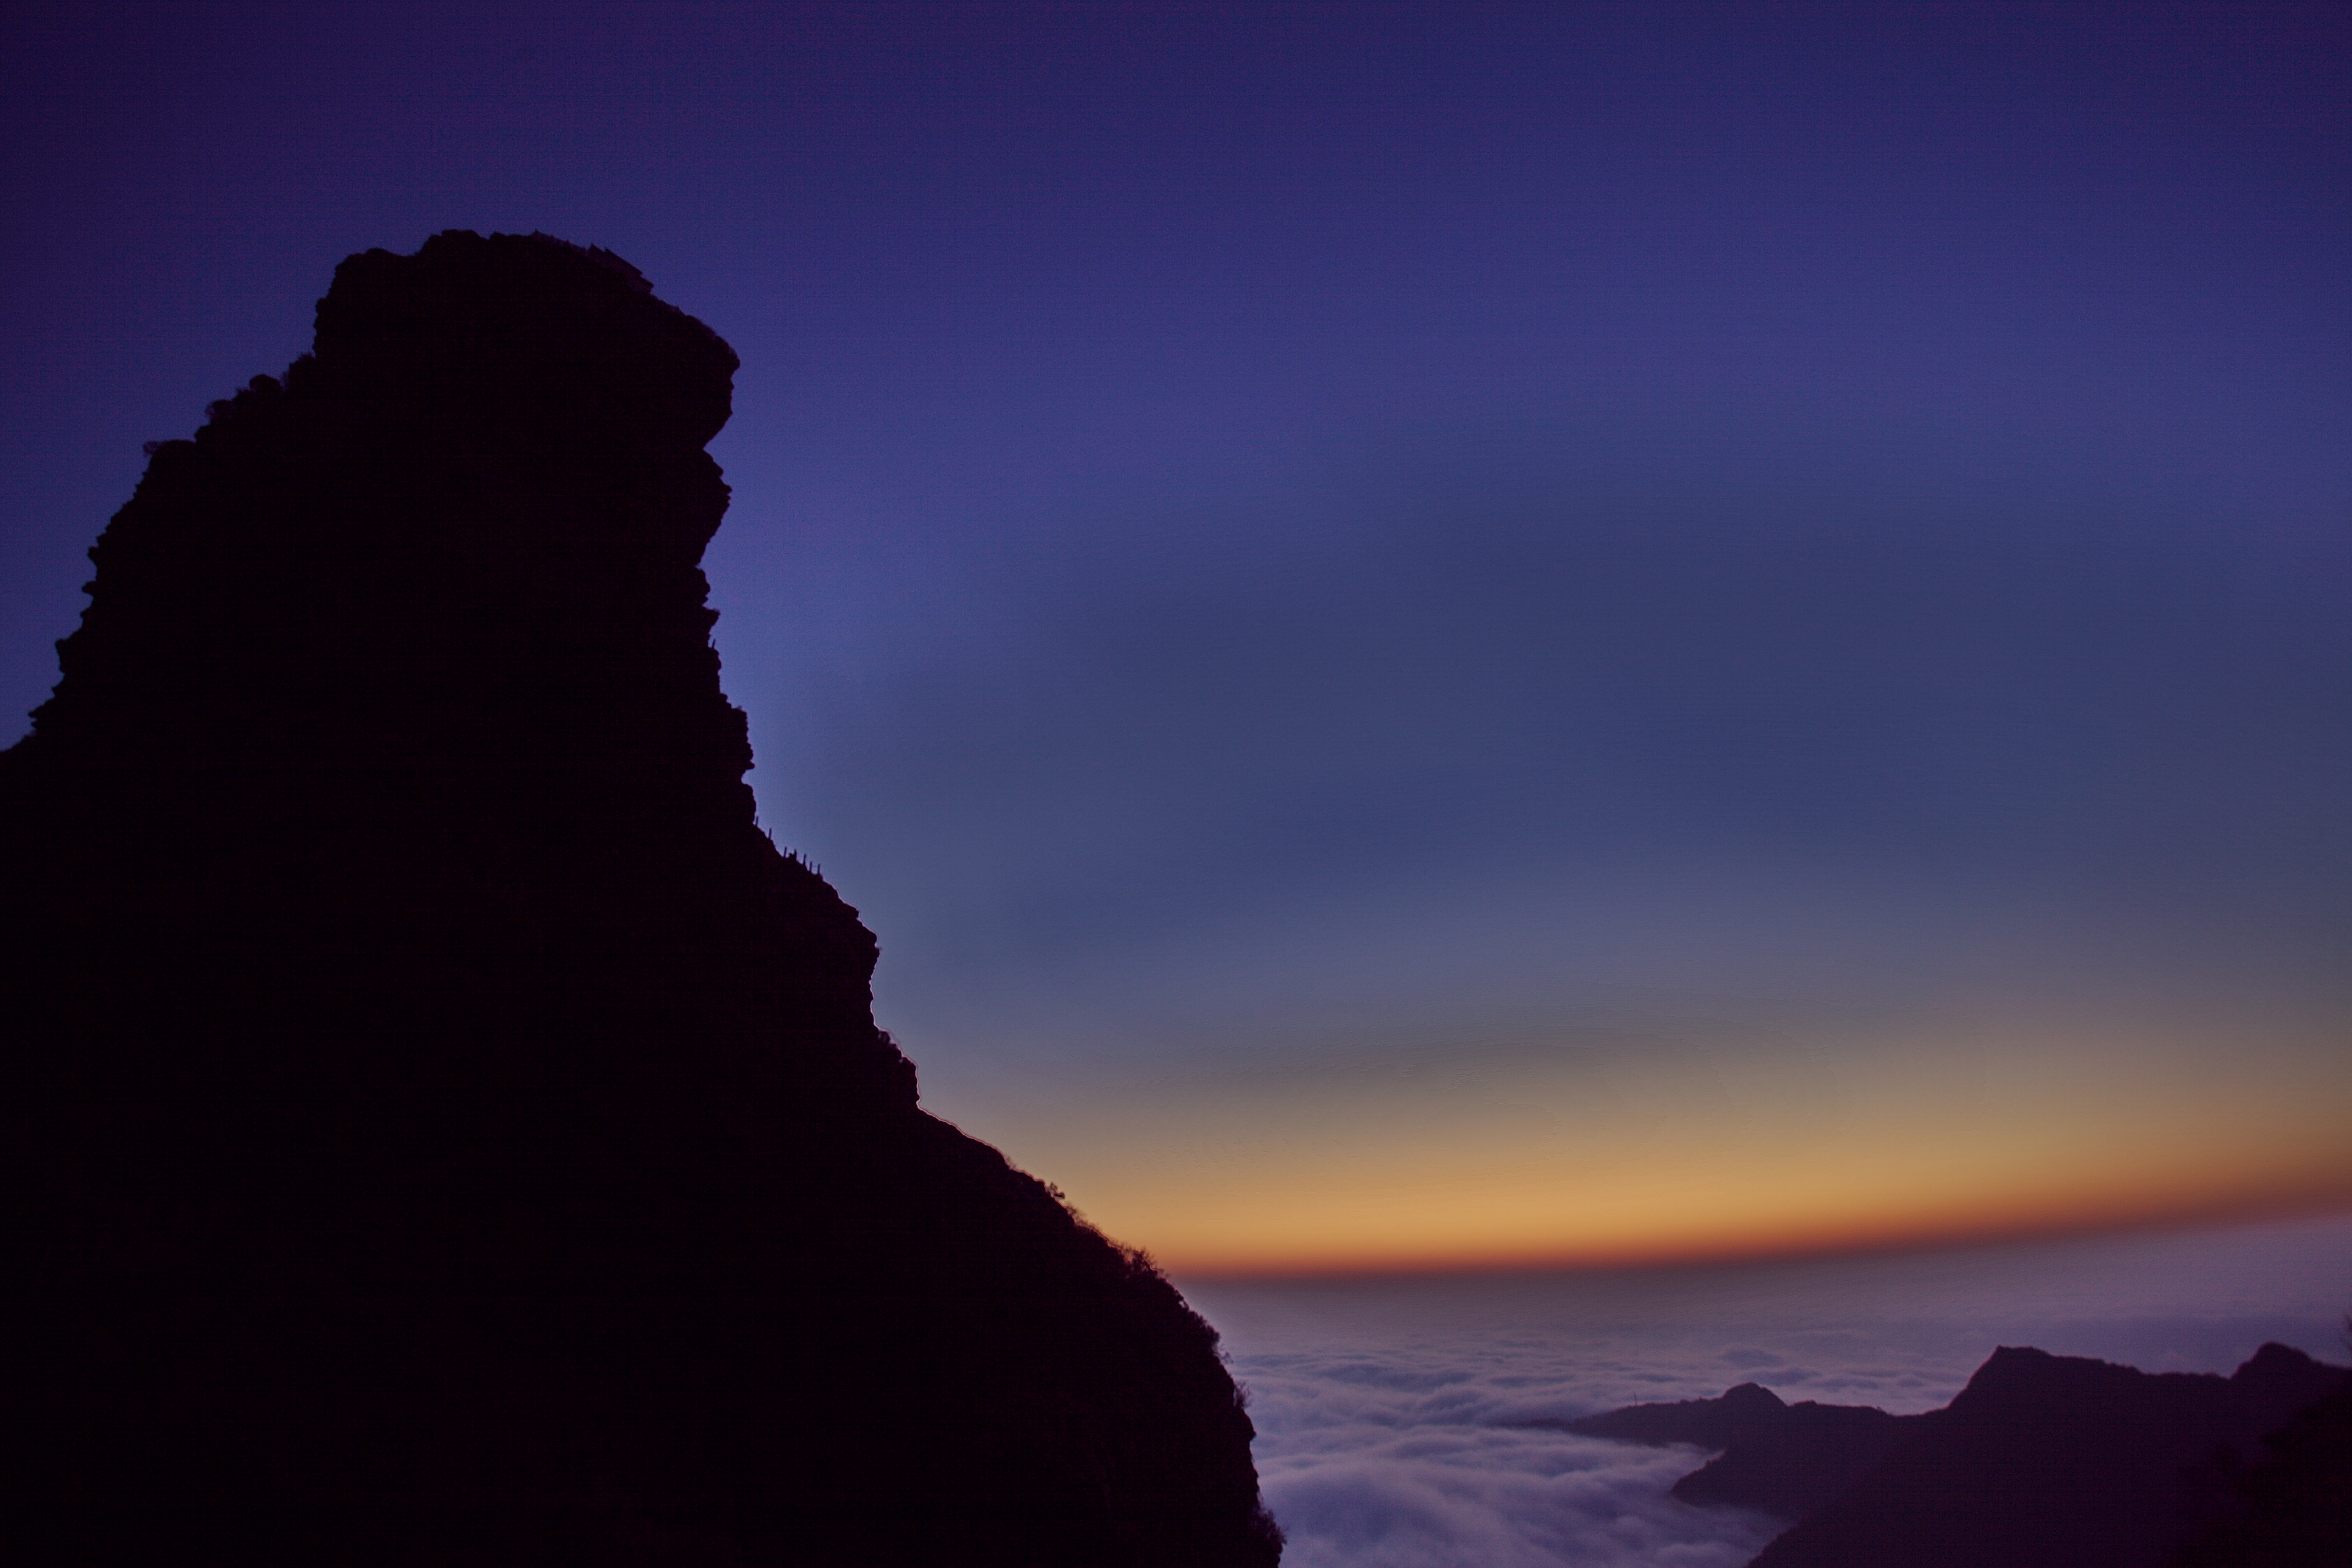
(2333, 1202)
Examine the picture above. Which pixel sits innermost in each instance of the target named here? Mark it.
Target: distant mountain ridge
(2042, 1461)
(1782, 1459)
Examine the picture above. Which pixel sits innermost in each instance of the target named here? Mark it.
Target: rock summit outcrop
(442, 1127)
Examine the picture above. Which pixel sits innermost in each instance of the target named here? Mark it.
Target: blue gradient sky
(1428, 633)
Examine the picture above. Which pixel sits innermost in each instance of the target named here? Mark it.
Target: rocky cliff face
(446, 1128)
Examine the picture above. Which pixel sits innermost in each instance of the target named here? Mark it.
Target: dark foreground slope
(441, 1127)
(2293, 1508)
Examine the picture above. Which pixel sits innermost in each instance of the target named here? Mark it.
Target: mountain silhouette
(2042, 1461)
(2047, 1461)
(443, 1127)
(1778, 1458)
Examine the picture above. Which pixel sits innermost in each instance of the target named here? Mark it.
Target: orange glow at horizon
(1655, 1152)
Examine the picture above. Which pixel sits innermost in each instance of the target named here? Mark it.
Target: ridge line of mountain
(2040, 1461)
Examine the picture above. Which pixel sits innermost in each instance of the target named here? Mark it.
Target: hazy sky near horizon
(1428, 633)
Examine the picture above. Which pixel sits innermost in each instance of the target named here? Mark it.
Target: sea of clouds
(1391, 1414)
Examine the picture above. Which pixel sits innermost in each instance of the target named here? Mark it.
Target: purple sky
(1276, 542)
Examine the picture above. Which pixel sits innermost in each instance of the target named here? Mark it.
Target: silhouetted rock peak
(539, 420)
(448, 1130)
(408, 651)
(2278, 1372)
